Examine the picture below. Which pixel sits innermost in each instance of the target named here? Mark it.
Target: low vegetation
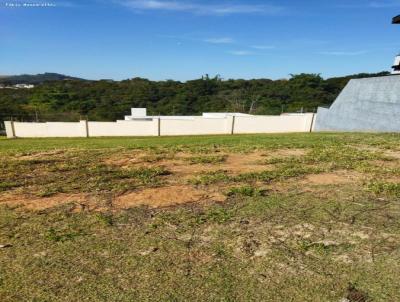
(289, 217)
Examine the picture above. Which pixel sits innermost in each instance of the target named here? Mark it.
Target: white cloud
(241, 52)
(157, 5)
(343, 53)
(201, 8)
(371, 4)
(224, 40)
(384, 4)
(263, 47)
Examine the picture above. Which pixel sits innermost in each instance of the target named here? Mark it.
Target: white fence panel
(51, 129)
(124, 128)
(196, 126)
(274, 124)
(166, 126)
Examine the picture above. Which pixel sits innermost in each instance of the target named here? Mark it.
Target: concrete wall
(53, 129)
(124, 128)
(371, 104)
(197, 126)
(274, 124)
(164, 127)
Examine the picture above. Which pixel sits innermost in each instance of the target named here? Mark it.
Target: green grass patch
(248, 191)
(57, 236)
(211, 178)
(385, 188)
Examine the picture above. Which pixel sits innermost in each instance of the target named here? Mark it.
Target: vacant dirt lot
(257, 217)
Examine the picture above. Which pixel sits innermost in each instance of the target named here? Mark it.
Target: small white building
(141, 114)
(137, 113)
(24, 86)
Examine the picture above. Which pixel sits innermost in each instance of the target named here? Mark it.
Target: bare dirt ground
(338, 177)
(167, 196)
(176, 187)
(39, 203)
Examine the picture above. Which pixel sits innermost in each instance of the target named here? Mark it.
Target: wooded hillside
(72, 99)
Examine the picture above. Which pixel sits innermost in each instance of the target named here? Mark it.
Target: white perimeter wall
(53, 129)
(164, 127)
(196, 126)
(274, 124)
(124, 128)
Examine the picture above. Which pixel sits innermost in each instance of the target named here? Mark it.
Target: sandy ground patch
(392, 164)
(152, 197)
(243, 163)
(181, 168)
(286, 152)
(391, 153)
(311, 182)
(126, 159)
(43, 155)
(234, 164)
(166, 196)
(339, 177)
(40, 203)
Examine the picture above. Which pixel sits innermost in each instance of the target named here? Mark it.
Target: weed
(106, 219)
(248, 191)
(387, 188)
(207, 159)
(5, 185)
(219, 215)
(211, 178)
(283, 172)
(322, 247)
(57, 236)
(49, 190)
(146, 175)
(153, 158)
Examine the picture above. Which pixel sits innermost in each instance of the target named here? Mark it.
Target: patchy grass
(207, 159)
(386, 188)
(211, 178)
(246, 190)
(278, 236)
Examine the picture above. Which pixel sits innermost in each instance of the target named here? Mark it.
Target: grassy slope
(298, 243)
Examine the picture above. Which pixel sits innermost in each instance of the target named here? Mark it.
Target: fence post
(87, 128)
(233, 125)
(159, 126)
(14, 135)
(10, 128)
(312, 122)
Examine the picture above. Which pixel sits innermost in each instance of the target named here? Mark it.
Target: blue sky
(184, 39)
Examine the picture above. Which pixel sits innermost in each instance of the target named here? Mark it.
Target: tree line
(105, 100)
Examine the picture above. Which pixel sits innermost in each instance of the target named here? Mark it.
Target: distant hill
(34, 79)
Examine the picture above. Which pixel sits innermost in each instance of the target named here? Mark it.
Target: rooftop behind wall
(371, 104)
